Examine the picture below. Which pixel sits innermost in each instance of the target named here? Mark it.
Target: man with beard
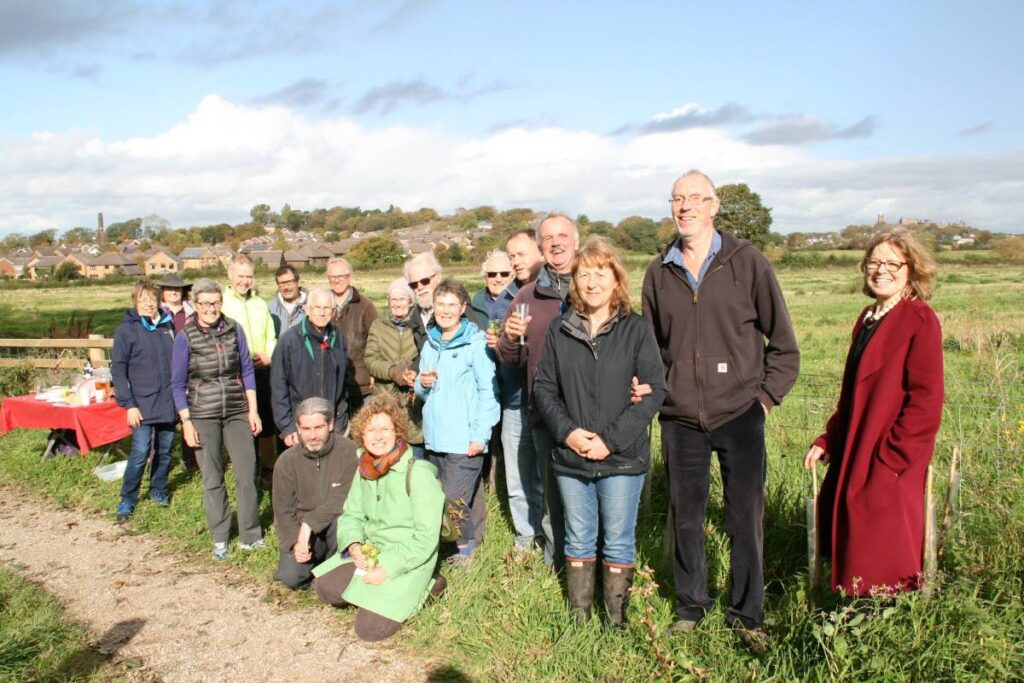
(310, 360)
(423, 272)
(311, 482)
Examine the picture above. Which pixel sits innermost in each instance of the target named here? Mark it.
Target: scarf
(374, 467)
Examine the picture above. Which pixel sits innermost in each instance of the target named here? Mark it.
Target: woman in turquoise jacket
(389, 529)
(460, 393)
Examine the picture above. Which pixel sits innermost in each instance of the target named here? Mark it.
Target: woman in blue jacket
(141, 369)
(460, 393)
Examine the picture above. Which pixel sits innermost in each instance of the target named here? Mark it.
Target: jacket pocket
(723, 383)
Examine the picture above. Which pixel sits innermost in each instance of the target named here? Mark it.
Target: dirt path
(181, 620)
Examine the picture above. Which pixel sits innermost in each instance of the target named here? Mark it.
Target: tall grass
(504, 617)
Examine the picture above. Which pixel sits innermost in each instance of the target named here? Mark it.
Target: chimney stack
(99, 227)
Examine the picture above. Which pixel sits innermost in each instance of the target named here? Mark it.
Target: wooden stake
(952, 488)
(813, 556)
(930, 560)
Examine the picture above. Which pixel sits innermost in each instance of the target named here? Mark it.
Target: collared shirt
(675, 256)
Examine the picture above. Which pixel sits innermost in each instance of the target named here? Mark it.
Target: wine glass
(523, 310)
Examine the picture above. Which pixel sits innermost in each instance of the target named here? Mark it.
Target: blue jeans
(522, 477)
(613, 501)
(158, 438)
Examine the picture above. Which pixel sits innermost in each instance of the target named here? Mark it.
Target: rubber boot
(580, 576)
(617, 582)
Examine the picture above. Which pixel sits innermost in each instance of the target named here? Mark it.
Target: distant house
(162, 261)
(42, 267)
(412, 248)
(14, 267)
(339, 248)
(272, 259)
(198, 258)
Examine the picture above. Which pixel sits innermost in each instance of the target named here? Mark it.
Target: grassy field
(505, 619)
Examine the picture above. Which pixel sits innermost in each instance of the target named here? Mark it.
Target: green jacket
(254, 317)
(405, 527)
(389, 347)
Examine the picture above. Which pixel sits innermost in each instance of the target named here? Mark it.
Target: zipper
(696, 357)
(320, 479)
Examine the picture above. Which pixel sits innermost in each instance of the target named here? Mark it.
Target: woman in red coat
(880, 439)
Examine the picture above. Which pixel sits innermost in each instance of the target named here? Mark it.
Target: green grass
(505, 619)
(37, 641)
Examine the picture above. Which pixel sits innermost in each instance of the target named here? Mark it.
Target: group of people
(551, 366)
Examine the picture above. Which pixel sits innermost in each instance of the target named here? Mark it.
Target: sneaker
(161, 499)
(754, 638)
(258, 544)
(220, 551)
(124, 511)
(681, 626)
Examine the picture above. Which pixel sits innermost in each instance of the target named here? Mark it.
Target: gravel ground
(172, 619)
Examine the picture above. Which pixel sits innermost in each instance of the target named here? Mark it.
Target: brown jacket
(354, 320)
(726, 344)
(310, 488)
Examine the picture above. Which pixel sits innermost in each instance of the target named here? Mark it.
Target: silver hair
(237, 260)
(497, 253)
(557, 214)
(426, 258)
(702, 174)
(334, 260)
(205, 285)
(314, 405)
(321, 290)
(400, 286)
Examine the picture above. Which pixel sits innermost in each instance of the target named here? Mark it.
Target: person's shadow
(81, 665)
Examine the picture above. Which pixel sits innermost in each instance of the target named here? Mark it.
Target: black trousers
(741, 457)
(296, 575)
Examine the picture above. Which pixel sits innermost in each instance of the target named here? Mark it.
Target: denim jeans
(460, 479)
(522, 477)
(158, 438)
(741, 459)
(611, 501)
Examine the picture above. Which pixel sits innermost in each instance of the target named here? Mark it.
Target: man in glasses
(491, 302)
(423, 271)
(730, 356)
(353, 316)
(286, 306)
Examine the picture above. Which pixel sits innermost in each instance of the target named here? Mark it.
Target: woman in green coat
(389, 529)
(392, 358)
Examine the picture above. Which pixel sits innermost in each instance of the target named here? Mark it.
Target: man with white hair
(353, 316)
(310, 360)
(491, 302)
(423, 273)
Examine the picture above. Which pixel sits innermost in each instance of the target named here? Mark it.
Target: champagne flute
(523, 310)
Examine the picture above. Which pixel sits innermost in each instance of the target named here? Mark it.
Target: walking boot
(580, 576)
(617, 582)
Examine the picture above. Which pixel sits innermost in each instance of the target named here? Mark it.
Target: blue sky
(833, 112)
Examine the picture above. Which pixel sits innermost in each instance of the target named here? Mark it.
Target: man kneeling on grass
(311, 483)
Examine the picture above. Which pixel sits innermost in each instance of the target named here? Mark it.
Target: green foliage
(743, 215)
(43, 238)
(376, 252)
(80, 235)
(66, 271)
(637, 233)
(124, 231)
(17, 381)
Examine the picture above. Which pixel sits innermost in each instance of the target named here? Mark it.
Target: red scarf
(374, 467)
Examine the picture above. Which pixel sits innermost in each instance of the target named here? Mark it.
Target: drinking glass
(523, 310)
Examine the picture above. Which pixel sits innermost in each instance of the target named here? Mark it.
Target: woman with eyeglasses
(214, 390)
(880, 440)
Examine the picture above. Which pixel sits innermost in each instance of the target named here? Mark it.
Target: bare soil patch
(175, 619)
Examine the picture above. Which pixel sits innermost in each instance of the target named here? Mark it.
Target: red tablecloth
(96, 424)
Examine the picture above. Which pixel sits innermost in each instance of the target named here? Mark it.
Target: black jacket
(725, 345)
(302, 368)
(584, 382)
(140, 365)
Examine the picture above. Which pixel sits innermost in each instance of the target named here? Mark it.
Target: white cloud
(226, 157)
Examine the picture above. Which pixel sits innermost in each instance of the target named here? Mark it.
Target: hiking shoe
(161, 499)
(220, 551)
(755, 639)
(258, 544)
(439, 587)
(460, 560)
(124, 511)
(681, 626)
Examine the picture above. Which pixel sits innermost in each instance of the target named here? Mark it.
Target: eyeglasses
(498, 273)
(208, 305)
(891, 266)
(416, 284)
(679, 200)
(339, 278)
(282, 283)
